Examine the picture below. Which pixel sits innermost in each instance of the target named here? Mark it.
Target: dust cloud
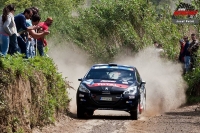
(164, 84)
(72, 62)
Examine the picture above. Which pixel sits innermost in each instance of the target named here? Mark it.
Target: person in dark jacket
(186, 54)
(182, 45)
(20, 21)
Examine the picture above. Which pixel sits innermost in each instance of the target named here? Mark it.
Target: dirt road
(161, 98)
(182, 120)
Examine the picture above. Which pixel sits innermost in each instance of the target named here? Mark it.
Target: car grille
(100, 99)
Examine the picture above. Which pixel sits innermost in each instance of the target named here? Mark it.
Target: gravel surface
(182, 120)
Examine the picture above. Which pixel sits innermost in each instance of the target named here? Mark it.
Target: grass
(48, 88)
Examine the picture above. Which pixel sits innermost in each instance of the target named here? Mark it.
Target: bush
(48, 88)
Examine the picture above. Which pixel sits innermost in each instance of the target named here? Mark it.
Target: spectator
(193, 48)
(33, 35)
(30, 42)
(35, 10)
(182, 45)
(20, 21)
(7, 28)
(186, 55)
(41, 42)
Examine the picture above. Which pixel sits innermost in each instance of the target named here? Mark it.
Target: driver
(125, 75)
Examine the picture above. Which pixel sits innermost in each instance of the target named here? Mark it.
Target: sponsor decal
(124, 82)
(99, 67)
(128, 101)
(125, 68)
(108, 81)
(114, 67)
(109, 84)
(130, 82)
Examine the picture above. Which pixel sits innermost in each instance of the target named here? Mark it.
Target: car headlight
(131, 90)
(82, 88)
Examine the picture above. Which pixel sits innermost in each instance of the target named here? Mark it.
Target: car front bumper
(122, 102)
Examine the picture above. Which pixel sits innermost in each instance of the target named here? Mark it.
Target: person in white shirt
(7, 28)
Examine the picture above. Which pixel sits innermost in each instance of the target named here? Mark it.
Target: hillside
(32, 93)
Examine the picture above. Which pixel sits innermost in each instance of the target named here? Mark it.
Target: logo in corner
(185, 13)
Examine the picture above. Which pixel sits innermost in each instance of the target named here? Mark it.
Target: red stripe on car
(109, 84)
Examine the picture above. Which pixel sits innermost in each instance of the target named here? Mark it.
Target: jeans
(4, 44)
(187, 63)
(13, 46)
(30, 48)
(22, 44)
(28, 43)
(40, 47)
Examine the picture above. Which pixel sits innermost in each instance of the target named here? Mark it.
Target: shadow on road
(103, 117)
(108, 117)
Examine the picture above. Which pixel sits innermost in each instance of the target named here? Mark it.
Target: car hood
(107, 86)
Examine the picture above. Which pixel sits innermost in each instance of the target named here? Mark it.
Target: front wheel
(80, 112)
(134, 113)
(90, 112)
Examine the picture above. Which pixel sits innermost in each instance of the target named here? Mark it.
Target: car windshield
(111, 74)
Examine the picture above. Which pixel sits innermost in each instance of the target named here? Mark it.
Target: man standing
(41, 42)
(186, 54)
(32, 35)
(20, 21)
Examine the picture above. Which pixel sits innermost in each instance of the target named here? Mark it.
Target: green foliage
(55, 98)
(193, 80)
(108, 26)
(19, 3)
(193, 77)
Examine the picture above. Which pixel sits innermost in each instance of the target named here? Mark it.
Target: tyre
(134, 113)
(90, 112)
(80, 112)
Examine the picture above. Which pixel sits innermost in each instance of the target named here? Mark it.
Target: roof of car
(112, 64)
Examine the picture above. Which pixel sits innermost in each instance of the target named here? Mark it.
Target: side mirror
(80, 79)
(143, 82)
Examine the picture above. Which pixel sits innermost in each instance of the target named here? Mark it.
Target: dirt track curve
(183, 120)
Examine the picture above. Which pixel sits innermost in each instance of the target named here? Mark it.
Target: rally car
(111, 87)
